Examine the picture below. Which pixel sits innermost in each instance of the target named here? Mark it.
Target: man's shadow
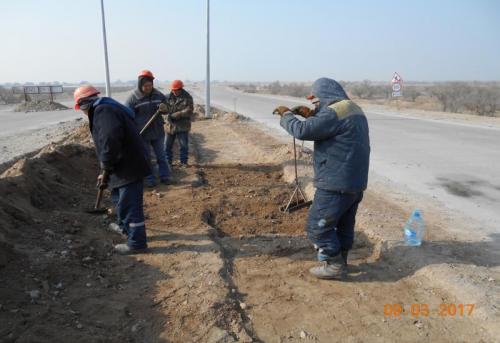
(368, 262)
(397, 261)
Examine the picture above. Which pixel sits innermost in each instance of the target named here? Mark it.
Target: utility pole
(108, 86)
(207, 80)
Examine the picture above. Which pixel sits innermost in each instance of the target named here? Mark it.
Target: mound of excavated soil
(216, 113)
(228, 116)
(51, 181)
(40, 106)
(50, 250)
(199, 111)
(31, 187)
(34, 189)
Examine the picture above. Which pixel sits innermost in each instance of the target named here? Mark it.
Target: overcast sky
(258, 40)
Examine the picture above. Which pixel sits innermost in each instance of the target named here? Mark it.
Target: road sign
(396, 78)
(397, 85)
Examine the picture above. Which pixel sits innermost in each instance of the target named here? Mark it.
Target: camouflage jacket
(180, 112)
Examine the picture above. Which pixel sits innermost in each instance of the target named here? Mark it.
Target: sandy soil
(224, 263)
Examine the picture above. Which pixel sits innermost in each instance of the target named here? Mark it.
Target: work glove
(302, 111)
(163, 108)
(175, 115)
(280, 110)
(103, 179)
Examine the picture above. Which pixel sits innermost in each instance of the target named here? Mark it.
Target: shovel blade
(96, 210)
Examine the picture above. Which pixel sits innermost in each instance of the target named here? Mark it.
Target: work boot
(166, 181)
(333, 268)
(150, 184)
(124, 249)
(113, 227)
(343, 254)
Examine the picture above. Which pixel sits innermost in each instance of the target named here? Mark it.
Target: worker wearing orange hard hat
(121, 154)
(180, 105)
(145, 101)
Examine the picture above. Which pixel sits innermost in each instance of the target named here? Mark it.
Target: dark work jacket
(144, 106)
(339, 130)
(120, 149)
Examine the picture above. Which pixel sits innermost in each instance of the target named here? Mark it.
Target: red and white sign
(396, 78)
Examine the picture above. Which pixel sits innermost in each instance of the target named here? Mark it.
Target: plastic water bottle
(414, 229)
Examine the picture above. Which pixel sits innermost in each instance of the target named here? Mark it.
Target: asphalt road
(456, 164)
(19, 122)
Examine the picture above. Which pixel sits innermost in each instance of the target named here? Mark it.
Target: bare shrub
(475, 98)
(451, 95)
(367, 90)
(7, 96)
(411, 93)
(483, 101)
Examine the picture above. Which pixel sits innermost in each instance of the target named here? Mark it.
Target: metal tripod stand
(297, 199)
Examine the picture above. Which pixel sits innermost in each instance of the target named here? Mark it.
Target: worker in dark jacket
(144, 101)
(339, 130)
(121, 154)
(178, 123)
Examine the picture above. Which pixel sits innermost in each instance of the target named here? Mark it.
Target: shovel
(297, 199)
(161, 109)
(97, 206)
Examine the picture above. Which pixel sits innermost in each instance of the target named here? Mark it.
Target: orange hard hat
(84, 92)
(146, 73)
(176, 85)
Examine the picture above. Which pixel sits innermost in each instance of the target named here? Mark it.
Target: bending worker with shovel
(121, 154)
(339, 130)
